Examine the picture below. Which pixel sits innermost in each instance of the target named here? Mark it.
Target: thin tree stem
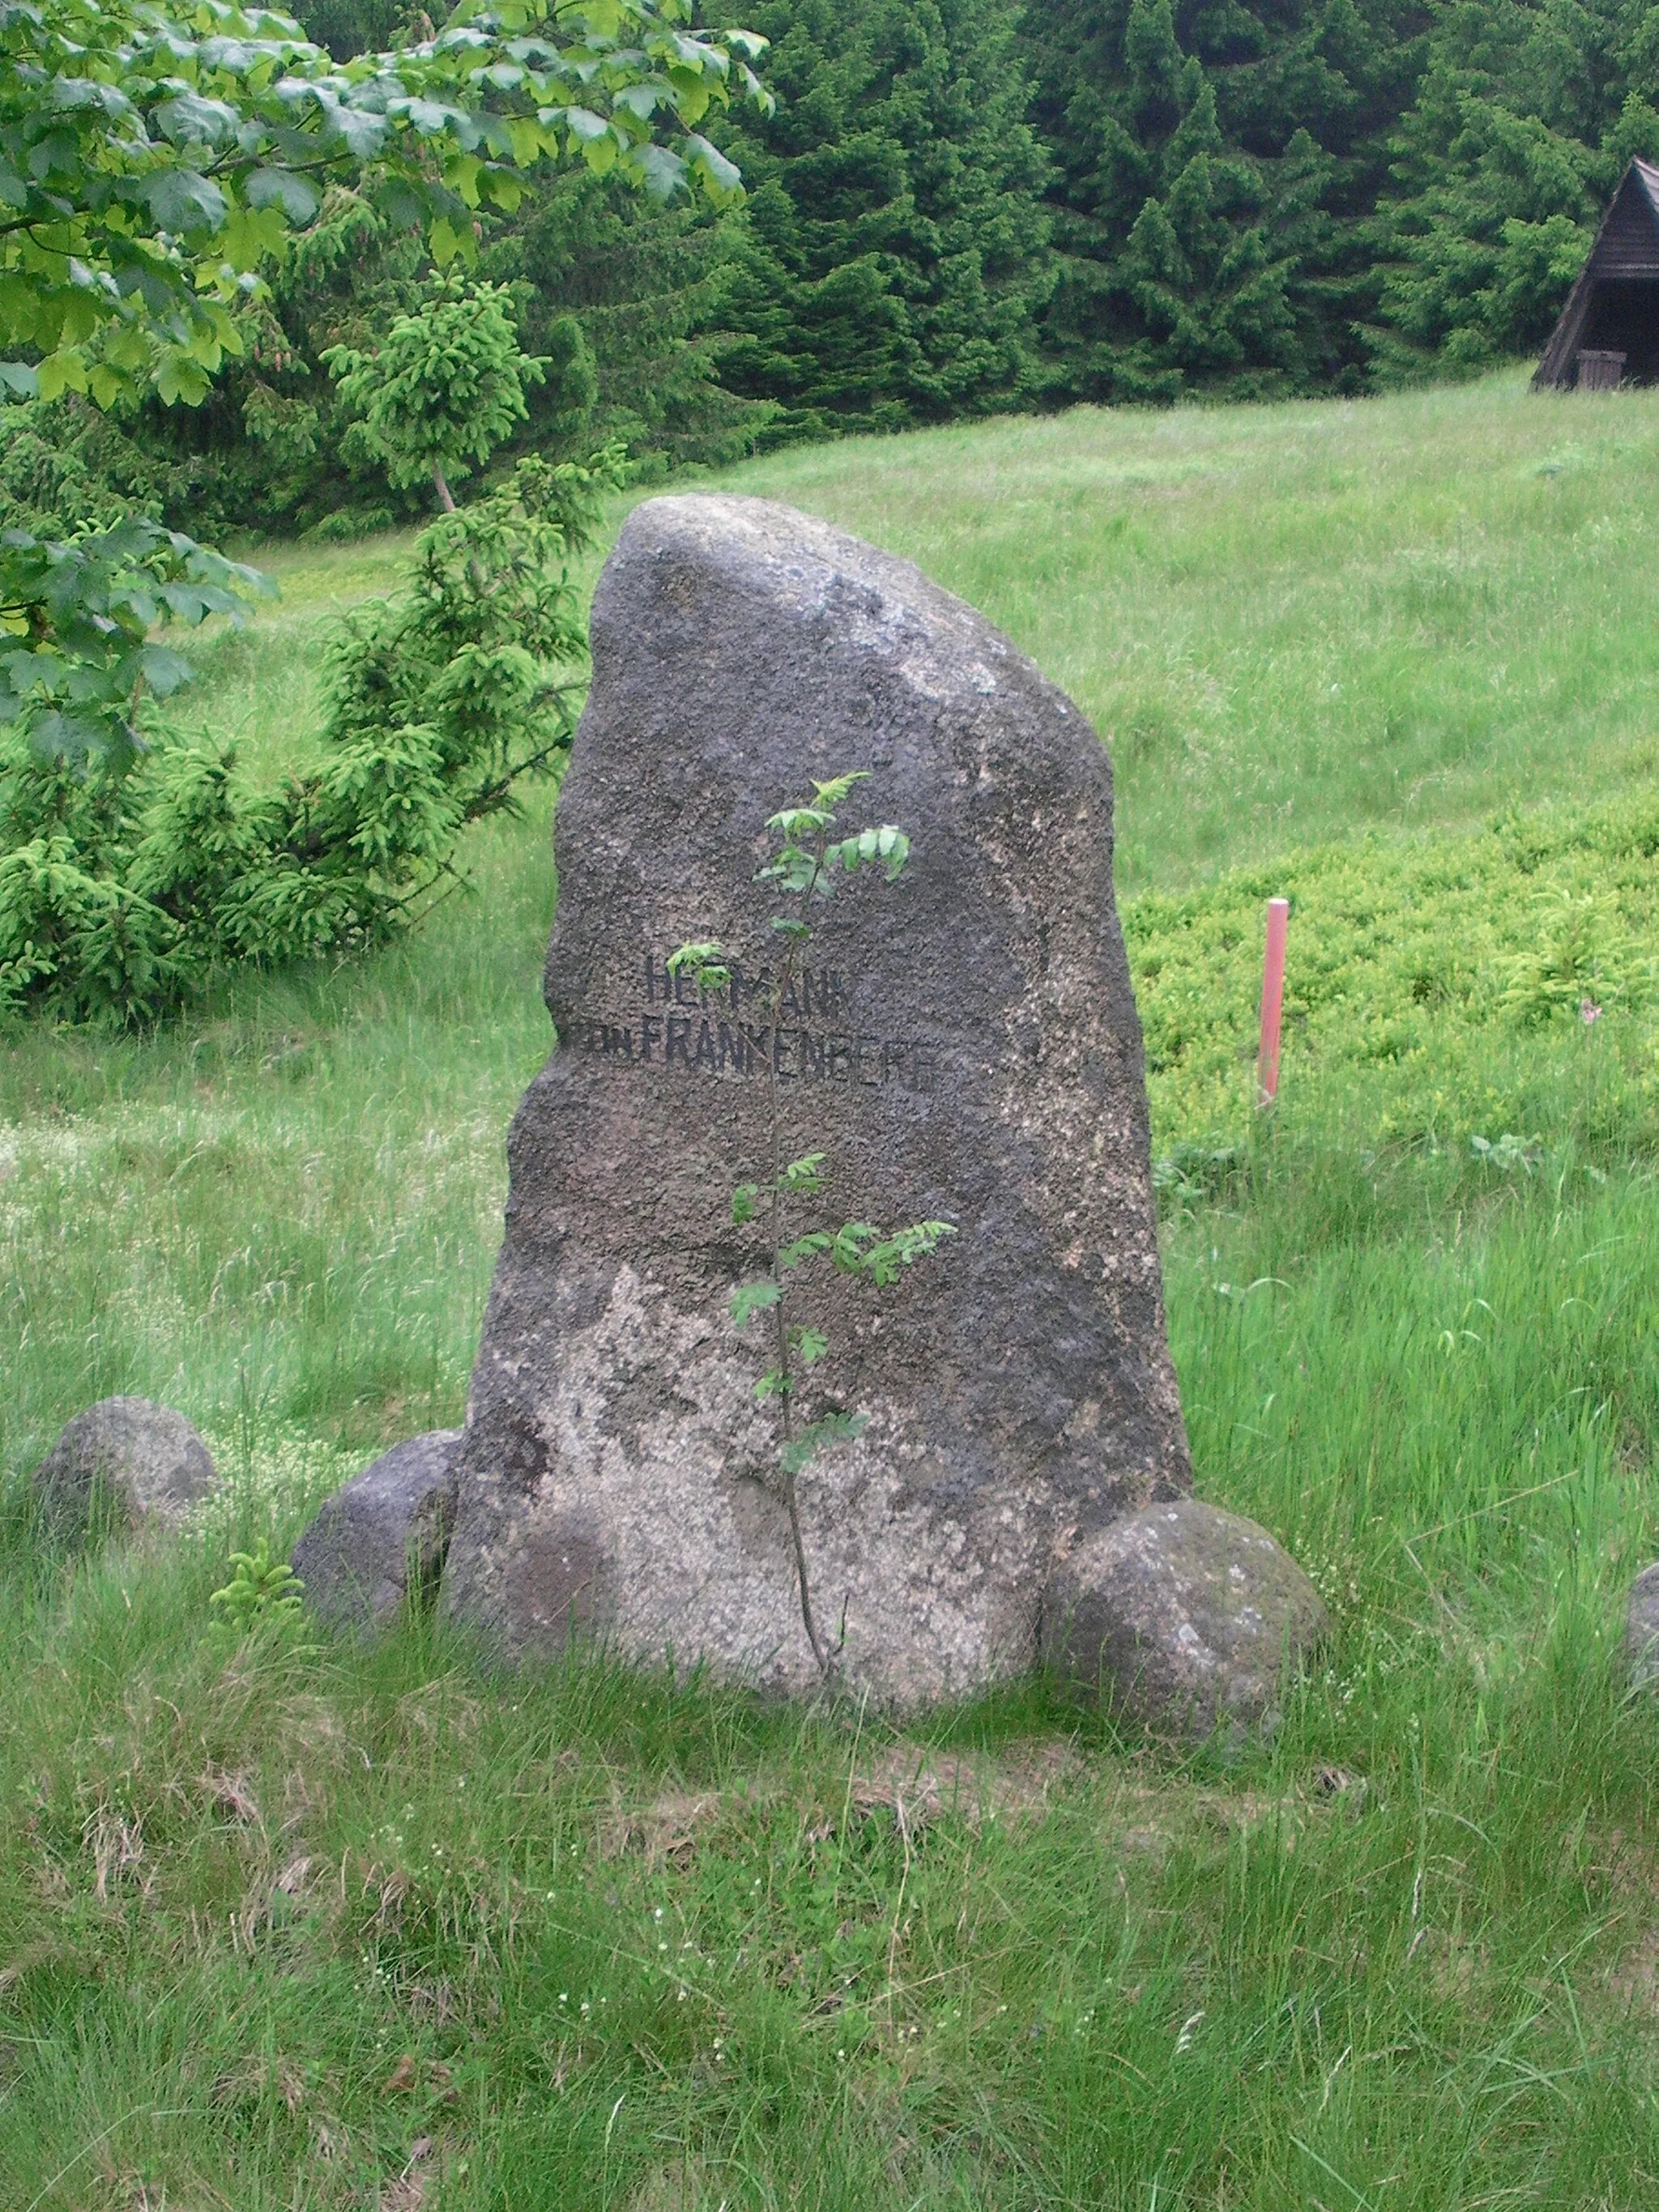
(779, 1320)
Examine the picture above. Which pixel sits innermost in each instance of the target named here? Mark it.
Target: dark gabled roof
(1626, 246)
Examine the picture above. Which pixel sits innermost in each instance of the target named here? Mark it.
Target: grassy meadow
(290, 1923)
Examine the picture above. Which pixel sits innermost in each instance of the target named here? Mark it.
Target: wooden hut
(1608, 333)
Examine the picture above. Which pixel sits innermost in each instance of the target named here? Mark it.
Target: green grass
(1293, 622)
(273, 1916)
(262, 685)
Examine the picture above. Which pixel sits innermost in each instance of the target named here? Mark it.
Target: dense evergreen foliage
(129, 874)
(897, 246)
(958, 206)
(1258, 196)
(441, 388)
(1525, 117)
(966, 206)
(618, 293)
(269, 447)
(624, 297)
(1216, 164)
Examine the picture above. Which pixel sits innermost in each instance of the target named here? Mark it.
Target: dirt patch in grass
(665, 1830)
(908, 1782)
(916, 1785)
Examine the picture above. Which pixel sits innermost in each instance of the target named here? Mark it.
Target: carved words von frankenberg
(813, 1037)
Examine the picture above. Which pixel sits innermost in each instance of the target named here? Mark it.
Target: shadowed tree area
(1214, 167)
(896, 254)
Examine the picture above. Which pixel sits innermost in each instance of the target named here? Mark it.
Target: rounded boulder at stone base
(388, 1528)
(1181, 1617)
(1642, 1630)
(145, 1462)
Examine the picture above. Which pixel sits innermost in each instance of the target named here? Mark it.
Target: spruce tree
(1526, 118)
(350, 28)
(269, 447)
(442, 389)
(624, 295)
(897, 249)
(618, 293)
(1214, 162)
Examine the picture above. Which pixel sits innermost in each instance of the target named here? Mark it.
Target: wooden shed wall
(1626, 249)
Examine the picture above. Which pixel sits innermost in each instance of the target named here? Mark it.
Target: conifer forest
(956, 208)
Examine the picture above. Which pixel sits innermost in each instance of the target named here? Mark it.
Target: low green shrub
(1501, 986)
(261, 1592)
(128, 876)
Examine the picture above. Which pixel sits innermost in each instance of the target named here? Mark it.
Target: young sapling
(810, 863)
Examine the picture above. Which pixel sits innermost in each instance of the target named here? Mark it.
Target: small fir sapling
(809, 865)
(129, 875)
(443, 387)
(260, 1590)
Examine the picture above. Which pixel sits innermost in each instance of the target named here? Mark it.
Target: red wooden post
(1272, 1002)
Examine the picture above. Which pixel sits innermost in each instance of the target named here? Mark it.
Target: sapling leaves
(846, 1247)
(804, 868)
(811, 1246)
(260, 1589)
(752, 1298)
(796, 823)
(830, 1428)
(704, 962)
(797, 870)
(887, 846)
(829, 796)
(882, 1263)
(801, 1178)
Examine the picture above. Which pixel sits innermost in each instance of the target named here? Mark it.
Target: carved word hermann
(713, 1036)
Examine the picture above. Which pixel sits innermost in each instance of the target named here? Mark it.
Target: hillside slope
(291, 1923)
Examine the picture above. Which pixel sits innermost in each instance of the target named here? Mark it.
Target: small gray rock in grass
(1642, 1630)
(390, 1522)
(1183, 1615)
(146, 1463)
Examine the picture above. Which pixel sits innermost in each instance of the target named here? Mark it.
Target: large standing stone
(146, 1463)
(388, 1527)
(963, 1044)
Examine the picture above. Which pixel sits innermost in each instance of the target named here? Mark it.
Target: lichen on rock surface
(961, 1046)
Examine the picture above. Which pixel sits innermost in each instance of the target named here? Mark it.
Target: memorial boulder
(961, 1045)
